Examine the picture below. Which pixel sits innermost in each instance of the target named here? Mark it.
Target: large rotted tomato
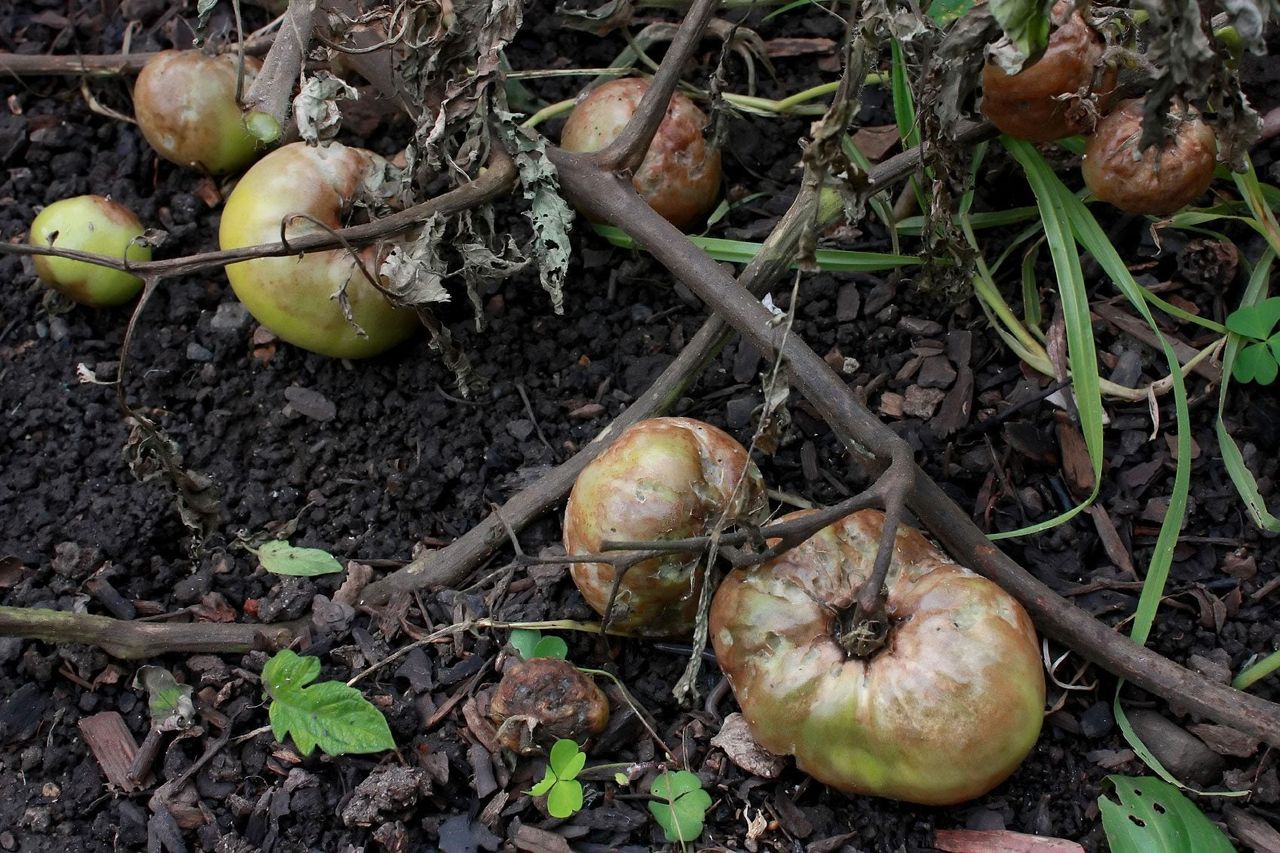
(680, 174)
(1036, 104)
(1159, 181)
(296, 297)
(942, 713)
(664, 478)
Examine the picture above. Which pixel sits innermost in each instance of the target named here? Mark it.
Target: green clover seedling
(681, 805)
(1258, 359)
(531, 644)
(560, 785)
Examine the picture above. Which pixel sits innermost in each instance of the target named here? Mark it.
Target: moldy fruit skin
(89, 223)
(1158, 181)
(943, 713)
(680, 174)
(1027, 105)
(293, 296)
(185, 103)
(664, 478)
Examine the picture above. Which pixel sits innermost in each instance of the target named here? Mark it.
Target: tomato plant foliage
(330, 715)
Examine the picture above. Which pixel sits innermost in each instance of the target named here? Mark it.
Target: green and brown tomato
(89, 223)
(1043, 101)
(663, 478)
(299, 297)
(680, 174)
(185, 104)
(942, 713)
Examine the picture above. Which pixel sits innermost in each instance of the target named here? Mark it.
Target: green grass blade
(741, 252)
(1246, 484)
(1256, 671)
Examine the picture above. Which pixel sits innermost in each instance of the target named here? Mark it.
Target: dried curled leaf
(151, 454)
(316, 106)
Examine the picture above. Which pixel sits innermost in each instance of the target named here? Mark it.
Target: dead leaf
(875, 142)
(1225, 740)
(11, 571)
(735, 739)
(782, 47)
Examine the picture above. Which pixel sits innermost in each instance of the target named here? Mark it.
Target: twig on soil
(102, 65)
(272, 89)
(134, 640)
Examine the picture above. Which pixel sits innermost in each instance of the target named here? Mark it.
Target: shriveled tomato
(1160, 180)
(680, 174)
(664, 478)
(1039, 103)
(942, 713)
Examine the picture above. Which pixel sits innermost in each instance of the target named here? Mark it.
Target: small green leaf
(681, 805)
(1255, 321)
(566, 759)
(330, 715)
(1255, 363)
(281, 558)
(565, 798)
(548, 780)
(524, 641)
(1153, 816)
(944, 12)
(551, 647)
(168, 701)
(621, 778)
(1274, 344)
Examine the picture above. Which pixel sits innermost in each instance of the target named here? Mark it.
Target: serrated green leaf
(551, 647)
(681, 807)
(565, 798)
(1025, 22)
(524, 641)
(330, 715)
(281, 558)
(1153, 816)
(566, 759)
(1255, 321)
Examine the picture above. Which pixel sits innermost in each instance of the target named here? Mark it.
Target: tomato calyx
(862, 632)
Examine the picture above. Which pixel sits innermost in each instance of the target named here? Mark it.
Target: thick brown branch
(272, 90)
(608, 198)
(133, 640)
(100, 65)
(493, 182)
(626, 152)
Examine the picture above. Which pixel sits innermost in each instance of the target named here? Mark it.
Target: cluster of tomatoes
(1070, 89)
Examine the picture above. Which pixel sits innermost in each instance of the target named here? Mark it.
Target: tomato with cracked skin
(1039, 103)
(942, 713)
(1159, 181)
(185, 104)
(663, 478)
(296, 296)
(680, 174)
(89, 223)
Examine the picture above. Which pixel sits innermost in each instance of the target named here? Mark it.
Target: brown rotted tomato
(542, 700)
(664, 478)
(1159, 181)
(680, 174)
(1038, 104)
(942, 713)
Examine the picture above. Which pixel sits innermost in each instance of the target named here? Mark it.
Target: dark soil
(376, 459)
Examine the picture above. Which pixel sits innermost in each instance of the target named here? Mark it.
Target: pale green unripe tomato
(89, 223)
(296, 296)
(185, 103)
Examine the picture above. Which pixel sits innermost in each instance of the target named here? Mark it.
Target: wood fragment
(1000, 841)
(113, 746)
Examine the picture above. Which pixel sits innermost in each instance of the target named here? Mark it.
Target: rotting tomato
(680, 174)
(942, 713)
(89, 223)
(1042, 102)
(663, 478)
(185, 104)
(542, 700)
(297, 297)
(1159, 181)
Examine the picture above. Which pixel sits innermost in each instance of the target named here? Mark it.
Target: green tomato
(185, 103)
(296, 296)
(89, 223)
(663, 478)
(943, 713)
